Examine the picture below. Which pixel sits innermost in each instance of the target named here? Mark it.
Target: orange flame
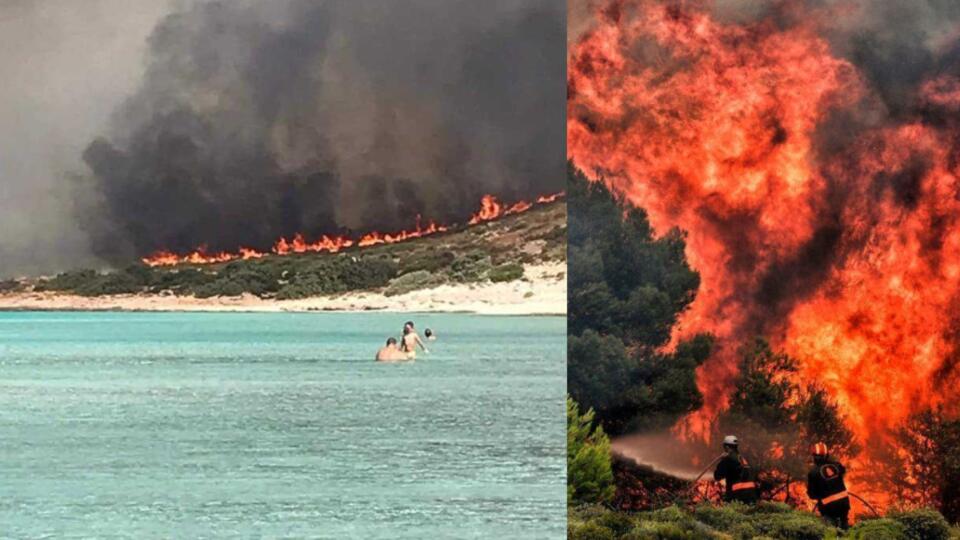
(490, 209)
(713, 128)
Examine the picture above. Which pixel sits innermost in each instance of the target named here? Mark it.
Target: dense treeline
(493, 252)
(627, 289)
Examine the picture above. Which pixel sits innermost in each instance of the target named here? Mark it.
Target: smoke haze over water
(239, 122)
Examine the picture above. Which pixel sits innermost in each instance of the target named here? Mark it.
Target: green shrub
(724, 517)
(67, 281)
(590, 531)
(368, 273)
(589, 470)
(792, 526)
(114, 283)
(587, 512)
(430, 260)
(617, 522)
(768, 507)
(744, 531)
(505, 272)
(654, 530)
(413, 281)
(668, 514)
(470, 267)
(181, 281)
(878, 529)
(924, 524)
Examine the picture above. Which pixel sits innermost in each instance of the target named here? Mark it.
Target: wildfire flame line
(491, 208)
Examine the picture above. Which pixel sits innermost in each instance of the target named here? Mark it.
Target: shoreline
(542, 292)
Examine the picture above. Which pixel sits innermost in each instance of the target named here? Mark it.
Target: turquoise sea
(209, 425)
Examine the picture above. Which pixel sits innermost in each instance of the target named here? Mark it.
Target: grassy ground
(495, 251)
(739, 522)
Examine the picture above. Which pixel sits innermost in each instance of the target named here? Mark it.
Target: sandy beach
(543, 291)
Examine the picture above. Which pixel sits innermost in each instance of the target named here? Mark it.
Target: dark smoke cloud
(262, 119)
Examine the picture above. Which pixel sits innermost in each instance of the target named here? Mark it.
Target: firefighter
(825, 485)
(737, 474)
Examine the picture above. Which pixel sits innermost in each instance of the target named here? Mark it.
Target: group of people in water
(406, 349)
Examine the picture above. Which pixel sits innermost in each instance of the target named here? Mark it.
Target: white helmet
(731, 440)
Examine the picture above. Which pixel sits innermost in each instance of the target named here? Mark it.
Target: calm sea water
(178, 425)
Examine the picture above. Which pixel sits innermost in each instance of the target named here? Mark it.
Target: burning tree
(925, 468)
(779, 419)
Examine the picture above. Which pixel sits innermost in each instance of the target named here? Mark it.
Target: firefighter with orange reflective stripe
(825, 485)
(736, 473)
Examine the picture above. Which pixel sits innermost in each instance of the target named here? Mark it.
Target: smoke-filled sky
(132, 126)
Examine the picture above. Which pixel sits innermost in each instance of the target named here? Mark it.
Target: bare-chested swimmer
(410, 340)
(390, 352)
(428, 333)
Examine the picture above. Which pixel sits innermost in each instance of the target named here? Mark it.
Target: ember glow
(815, 216)
(490, 209)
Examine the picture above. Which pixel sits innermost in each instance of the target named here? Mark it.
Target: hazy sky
(66, 64)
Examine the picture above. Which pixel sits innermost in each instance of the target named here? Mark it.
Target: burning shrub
(878, 529)
(589, 473)
(505, 272)
(924, 524)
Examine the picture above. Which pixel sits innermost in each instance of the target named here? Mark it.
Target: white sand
(542, 291)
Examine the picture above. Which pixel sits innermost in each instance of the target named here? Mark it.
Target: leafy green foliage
(506, 272)
(421, 279)
(589, 472)
(748, 522)
(627, 289)
(878, 529)
(923, 524)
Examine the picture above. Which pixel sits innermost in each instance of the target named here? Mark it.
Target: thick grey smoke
(262, 119)
(65, 65)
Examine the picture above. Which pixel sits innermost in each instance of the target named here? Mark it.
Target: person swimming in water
(427, 333)
(390, 352)
(411, 340)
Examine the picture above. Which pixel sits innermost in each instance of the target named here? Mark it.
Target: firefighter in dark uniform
(825, 485)
(736, 473)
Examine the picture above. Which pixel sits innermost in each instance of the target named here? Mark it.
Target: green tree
(589, 470)
(627, 289)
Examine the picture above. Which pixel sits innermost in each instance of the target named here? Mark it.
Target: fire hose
(710, 465)
(859, 498)
(693, 484)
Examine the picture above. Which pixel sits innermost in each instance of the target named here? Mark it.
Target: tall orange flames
(491, 208)
(847, 256)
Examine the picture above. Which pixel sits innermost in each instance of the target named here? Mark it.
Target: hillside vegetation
(739, 522)
(491, 252)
